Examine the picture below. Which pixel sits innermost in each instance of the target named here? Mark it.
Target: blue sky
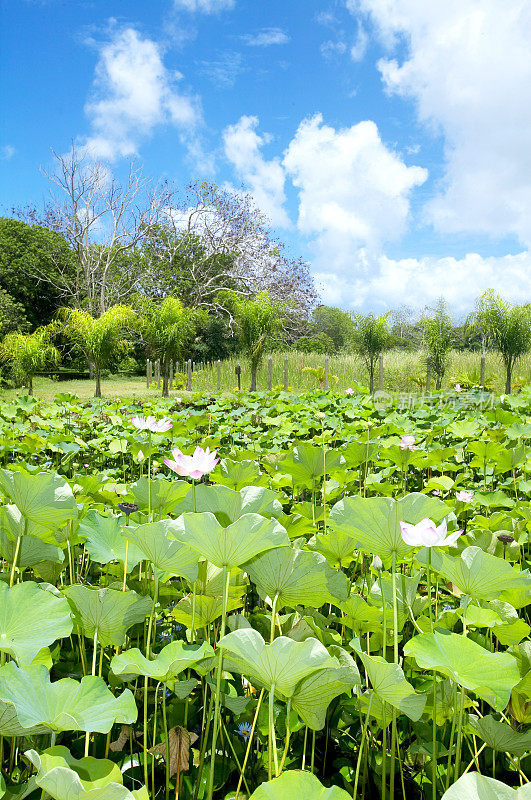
(387, 140)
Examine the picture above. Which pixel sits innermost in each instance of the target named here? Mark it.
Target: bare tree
(216, 241)
(105, 221)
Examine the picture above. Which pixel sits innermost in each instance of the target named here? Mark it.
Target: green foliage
(27, 354)
(335, 324)
(258, 320)
(321, 343)
(507, 327)
(101, 338)
(27, 251)
(371, 337)
(439, 337)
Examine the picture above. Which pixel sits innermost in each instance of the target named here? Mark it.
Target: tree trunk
(438, 382)
(165, 378)
(97, 393)
(371, 377)
(254, 372)
(30, 386)
(91, 370)
(508, 380)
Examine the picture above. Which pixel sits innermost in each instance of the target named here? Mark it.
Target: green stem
(16, 555)
(272, 734)
(395, 658)
(434, 741)
(226, 578)
(288, 735)
(360, 753)
(249, 743)
(235, 756)
(167, 759)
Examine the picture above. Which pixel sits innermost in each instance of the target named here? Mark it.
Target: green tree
(99, 339)
(28, 354)
(258, 320)
(439, 338)
(335, 323)
(167, 329)
(371, 337)
(12, 315)
(28, 251)
(507, 327)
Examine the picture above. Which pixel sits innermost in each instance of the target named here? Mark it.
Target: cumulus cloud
(264, 179)
(381, 283)
(468, 69)
(266, 37)
(204, 6)
(133, 93)
(353, 190)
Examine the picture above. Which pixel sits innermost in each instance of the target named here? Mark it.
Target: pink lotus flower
(151, 424)
(195, 466)
(426, 534)
(437, 493)
(349, 391)
(464, 496)
(408, 443)
(457, 387)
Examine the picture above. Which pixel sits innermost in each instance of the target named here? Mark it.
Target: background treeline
(110, 272)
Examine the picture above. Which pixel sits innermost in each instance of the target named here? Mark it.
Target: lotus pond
(334, 604)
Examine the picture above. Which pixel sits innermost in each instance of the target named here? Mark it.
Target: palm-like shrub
(99, 339)
(258, 320)
(507, 327)
(371, 337)
(167, 329)
(28, 354)
(439, 337)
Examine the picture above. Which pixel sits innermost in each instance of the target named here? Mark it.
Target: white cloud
(380, 283)
(353, 190)
(224, 70)
(266, 37)
(359, 48)
(7, 152)
(133, 93)
(205, 6)
(468, 68)
(264, 179)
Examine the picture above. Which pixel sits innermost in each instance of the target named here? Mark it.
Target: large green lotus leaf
(32, 550)
(165, 494)
(390, 685)
(30, 703)
(228, 504)
(283, 663)
(108, 611)
(302, 785)
(306, 463)
(477, 573)
(374, 522)
(360, 615)
(210, 581)
(474, 786)
(490, 675)
(234, 545)
(500, 736)
(105, 540)
(297, 577)
(168, 556)
(63, 777)
(44, 498)
(207, 610)
(30, 619)
(314, 693)
(335, 546)
(170, 662)
(236, 474)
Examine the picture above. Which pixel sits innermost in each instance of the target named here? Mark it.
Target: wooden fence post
(428, 375)
(326, 373)
(189, 370)
(218, 376)
(380, 372)
(269, 373)
(482, 372)
(171, 374)
(238, 371)
(148, 373)
(286, 381)
(157, 372)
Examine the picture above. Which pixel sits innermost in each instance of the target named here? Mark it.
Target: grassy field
(403, 372)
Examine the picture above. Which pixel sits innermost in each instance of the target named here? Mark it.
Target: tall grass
(403, 372)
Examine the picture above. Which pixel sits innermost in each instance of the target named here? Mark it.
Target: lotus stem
(226, 578)
(360, 753)
(249, 744)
